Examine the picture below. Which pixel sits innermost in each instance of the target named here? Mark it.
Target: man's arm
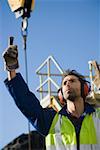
(25, 100)
(11, 74)
(29, 105)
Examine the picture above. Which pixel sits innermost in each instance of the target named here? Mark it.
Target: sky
(68, 30)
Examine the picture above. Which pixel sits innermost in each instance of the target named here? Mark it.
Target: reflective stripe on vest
(62, 134)
(96, 118)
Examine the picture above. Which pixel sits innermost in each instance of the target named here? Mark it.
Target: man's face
(71, 88)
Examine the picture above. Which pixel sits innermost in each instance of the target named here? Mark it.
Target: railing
(49, 86)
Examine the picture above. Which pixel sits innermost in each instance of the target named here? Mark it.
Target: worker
(75, 127)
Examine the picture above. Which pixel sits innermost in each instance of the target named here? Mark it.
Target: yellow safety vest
(62, 135)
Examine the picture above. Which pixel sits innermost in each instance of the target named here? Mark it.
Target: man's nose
(68, 83)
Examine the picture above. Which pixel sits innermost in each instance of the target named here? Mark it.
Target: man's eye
(72, 80)
(65, 82)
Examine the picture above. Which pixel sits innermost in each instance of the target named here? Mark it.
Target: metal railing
(49, 87)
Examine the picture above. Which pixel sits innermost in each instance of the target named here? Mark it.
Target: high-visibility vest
(62, 135)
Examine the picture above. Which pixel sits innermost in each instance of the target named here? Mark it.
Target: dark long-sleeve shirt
(29, 105)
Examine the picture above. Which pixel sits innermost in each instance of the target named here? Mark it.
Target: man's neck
(76, 108)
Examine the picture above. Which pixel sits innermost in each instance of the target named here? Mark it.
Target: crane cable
(24, 33)
(23, 8)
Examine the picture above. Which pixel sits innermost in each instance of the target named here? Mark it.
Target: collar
(88, 110)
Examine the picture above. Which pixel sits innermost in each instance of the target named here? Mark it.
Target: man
(75, 127)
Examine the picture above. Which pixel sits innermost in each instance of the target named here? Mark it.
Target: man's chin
(70, 98)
